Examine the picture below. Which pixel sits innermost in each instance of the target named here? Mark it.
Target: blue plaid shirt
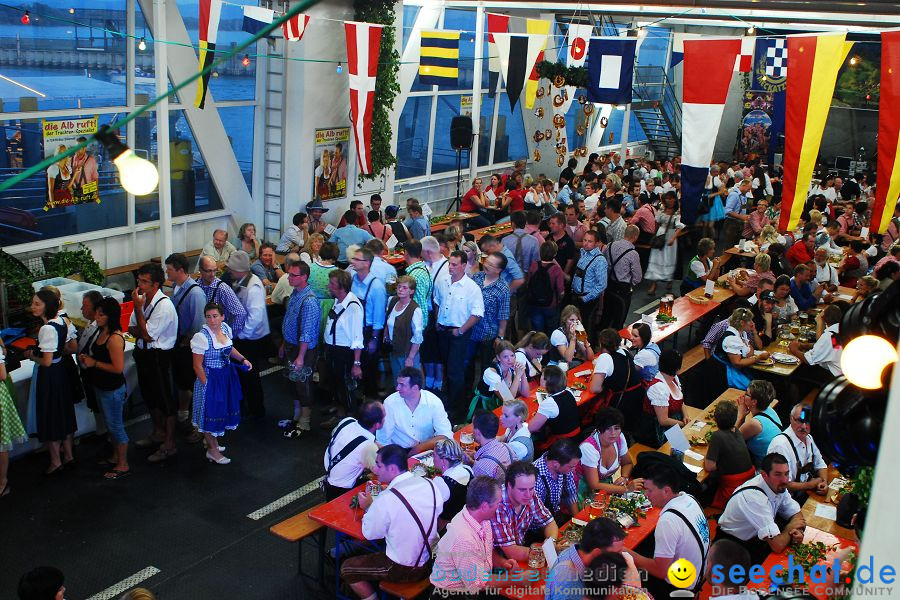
(496, 307)
(594, 282)
(309, 319)
(221, 292)
(552, 490)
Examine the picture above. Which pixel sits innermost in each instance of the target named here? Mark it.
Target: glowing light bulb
(71, 11)
(864, 360)
(138, 175)
(339, 69)
(142, 45)
(853, 60)
(751, 30)
(26, 18)
(246, 60)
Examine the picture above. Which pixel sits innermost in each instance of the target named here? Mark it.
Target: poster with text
(331, 160)
(74, 179)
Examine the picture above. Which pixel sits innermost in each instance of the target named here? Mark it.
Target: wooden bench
(123, 269)
(692, 358)
(405, 591)
(298, 528)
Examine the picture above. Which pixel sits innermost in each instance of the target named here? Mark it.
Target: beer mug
(536, 558)
(391, 284)
(373, 488)
(580, 333)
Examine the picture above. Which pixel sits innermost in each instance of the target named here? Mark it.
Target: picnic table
(686, 314)
(498, 231)
(444, 221)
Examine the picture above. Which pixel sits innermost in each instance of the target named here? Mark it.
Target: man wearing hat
(315, 210)
(763, 317)
(252, 341)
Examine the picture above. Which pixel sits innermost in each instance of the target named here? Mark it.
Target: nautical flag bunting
(540, 27)
(294, 28)
(813, 64)
(363, 48)
(887, 189)
(256, 18)
(495, 24)
(578, 38)
(439, 58)
(518, 53)
(678, 39)
(610, 66)
(210, 11)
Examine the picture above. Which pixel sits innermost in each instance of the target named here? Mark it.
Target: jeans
(453, 356)
(112, 402)
(544, 318)
(397, 364)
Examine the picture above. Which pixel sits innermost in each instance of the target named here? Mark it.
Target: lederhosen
(621, 293)
(429, 350)
(338, 361)
(303, 387)
(154, 371)
(800, 496)
(369, 360)
(182, 358)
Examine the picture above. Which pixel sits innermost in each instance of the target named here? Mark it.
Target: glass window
(614, 129)
(484, 137)
(25, 214)
(410, 13)
(192, 187)
(443, 156)
(412, 137)
(654, 47)
(510, 143)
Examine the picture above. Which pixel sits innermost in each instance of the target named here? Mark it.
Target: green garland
(574, 76)
(386, 85)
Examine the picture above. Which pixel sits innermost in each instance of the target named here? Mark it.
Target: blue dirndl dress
(217, 405)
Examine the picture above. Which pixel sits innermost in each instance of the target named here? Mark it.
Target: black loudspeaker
(461, 133)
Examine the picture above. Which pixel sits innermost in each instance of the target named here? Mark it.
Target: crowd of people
(464, 328)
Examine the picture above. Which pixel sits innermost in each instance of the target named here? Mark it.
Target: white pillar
(625, 126)
(162, 129)
(130, 64)
(476, 90)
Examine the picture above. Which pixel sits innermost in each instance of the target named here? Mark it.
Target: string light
(71, 11)
(246, 60)
(339, 69)
(853, 61)
(26, 18)
(751, 30)
(142, 45)
(137, 175)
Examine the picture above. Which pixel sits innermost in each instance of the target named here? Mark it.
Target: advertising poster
(75, 179)
(465, 105)
(756, 124)
(331, 160)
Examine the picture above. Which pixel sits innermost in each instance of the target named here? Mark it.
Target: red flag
(495, 24)
(294, 28)
(363, 47)
(887, 189)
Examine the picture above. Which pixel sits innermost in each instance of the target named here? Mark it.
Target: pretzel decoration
(559, 81)
(582, 99)
(604, 121)
(539, 112)
(581, 151)
(588, 109)
(538, 137)
(537, 155)
(548, 134)
(560, 160)
(580, 130)
(559, 121)
(561, 147)
(540, 92)
(558, 100)
(558, 135)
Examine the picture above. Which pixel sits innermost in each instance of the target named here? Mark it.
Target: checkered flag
(776, 59)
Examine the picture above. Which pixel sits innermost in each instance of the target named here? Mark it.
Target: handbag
(659, 240)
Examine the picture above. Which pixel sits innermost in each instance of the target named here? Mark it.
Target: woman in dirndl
(11, 430)
(217, 391)
(603, 454)
(54, 408)
(663, 405)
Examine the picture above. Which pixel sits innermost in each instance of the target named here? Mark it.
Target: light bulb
(138, 175)
(246, 60)
(142, 45)
(339, 69)
(71, 11)
(26, 18)
(853, 60)
(751, 30)
(864, 360)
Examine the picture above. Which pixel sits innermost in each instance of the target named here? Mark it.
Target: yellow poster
(74, 179)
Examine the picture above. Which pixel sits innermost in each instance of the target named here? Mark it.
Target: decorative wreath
(538, 137)
(559, 121)
(559, 81)
(588, 109)
(558, 100)
(537, 155)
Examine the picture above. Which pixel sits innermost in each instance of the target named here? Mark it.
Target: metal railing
(652, 85)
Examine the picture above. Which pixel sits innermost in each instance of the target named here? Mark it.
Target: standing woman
(217, 391)
(104, 360)
(664, 401)
(712, 220)
(646, 352)
(11, 430)
(379, 230)
(310, 252)
(530, 353)
(249, 243)
(318, 278)
(663, 260)
(501, 382)
(473, 254)
(53, 408)
(404, 327)
(616, 377)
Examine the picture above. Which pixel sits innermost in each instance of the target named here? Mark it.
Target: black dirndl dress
(54, 410)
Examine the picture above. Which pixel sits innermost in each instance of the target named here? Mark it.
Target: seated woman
(703, 267)
(557, 413)
(785, 307)
(530, 352)
(616, 380)
(727, 455)
(646, 352)
(865, 287)
(762, 265)
(854, 265)
(502, 381)
(603, 453)
(515, 418)
(768, 236)
(564, 341)
(757, 421)
(663, 402)
(448, 457)
(735, 349)
(887, 274)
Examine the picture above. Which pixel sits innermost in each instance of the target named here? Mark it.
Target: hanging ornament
(26, 18)
(539, 112)
(539, 93)
(560, 160)
(582, 99)
(537, 155)
(339, 69)
(548, 134)
(588, 109)
(558, 100)
(604, 122)
(246, 60)
(538, 137)
(580, 130)
(559, 81)
(559, 121)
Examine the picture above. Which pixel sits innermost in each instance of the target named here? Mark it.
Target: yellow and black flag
(210, 10)
(439, 61)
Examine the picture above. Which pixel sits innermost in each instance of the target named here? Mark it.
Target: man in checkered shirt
(520, 514)
(555, 485)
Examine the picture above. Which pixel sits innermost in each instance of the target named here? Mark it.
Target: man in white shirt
(750, 515)
(253, 340)
(416, 418)
(154, 324)
(682, 531)
(592, 198)
(804, 458)
(826, 352)
(724, 555)
(826, 274)
(439, 271)
(343, 343)
(351, 449)
(459, 305)
(219, 249)
(404, 515)
(284, 289)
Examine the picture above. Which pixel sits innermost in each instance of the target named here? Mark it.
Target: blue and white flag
(610, 65)
(256, 18)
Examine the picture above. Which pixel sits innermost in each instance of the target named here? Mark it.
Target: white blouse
(200, 344)
(417, 323)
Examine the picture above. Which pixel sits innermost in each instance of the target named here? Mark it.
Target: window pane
(409, 19)
(510, 143)
(464, 22)
(484, 139)
(443, 157)
(22, 215)
(412, 137)
(654, 47)
(238, 121)
(192, 187)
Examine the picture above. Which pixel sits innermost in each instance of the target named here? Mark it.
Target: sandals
(293, 433)
(117, 474)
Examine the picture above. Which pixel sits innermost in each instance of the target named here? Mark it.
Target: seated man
(351, 449)
(826, 352)
(681, 532)
(416, 418)
(219, 249)
(555, 485)
(724, 555)
(405, 516)
(266, 268)
(806, 467)
(804, 290)
(520, 510)
(750, 515)
(493, 457)
(464, 557)
(763, 313)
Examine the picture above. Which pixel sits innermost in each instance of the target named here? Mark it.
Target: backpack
(540, 288)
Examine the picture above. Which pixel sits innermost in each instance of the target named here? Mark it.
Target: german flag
(813, 64)
(439, 60)
(887, 189)
(210, 11)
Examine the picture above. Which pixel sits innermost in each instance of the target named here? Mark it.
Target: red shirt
(518, 199)
(799, 254)
(467, 205)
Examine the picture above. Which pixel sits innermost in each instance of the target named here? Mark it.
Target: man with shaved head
(217, 290)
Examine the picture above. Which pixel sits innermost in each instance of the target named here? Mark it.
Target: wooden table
(780, 369)
(686, 312)
(498, 231)
(451, 217)
(720, 294)
(736, 252)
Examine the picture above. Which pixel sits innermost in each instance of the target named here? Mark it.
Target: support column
(476, 90)
(161, 60)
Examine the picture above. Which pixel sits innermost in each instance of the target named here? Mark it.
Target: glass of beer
(536, 558)
(466, 440)
(597, 506)
(580, 333)
(373, 488)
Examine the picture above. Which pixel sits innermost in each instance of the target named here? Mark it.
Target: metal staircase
(657, 110)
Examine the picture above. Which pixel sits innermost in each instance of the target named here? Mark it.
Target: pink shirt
(645, 219)
(576, 232)
(754, 226)
(462, 558)
(535, 232)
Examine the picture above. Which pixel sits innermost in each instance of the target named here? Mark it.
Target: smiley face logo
(682, 573)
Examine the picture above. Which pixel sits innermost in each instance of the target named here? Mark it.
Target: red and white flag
(363, 47)
(295, 27)
(743, 63)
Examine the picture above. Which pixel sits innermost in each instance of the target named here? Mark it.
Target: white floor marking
(285, 500)
(646, 307)
(116, 590)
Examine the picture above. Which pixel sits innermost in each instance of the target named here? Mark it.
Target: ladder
(273, 157)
